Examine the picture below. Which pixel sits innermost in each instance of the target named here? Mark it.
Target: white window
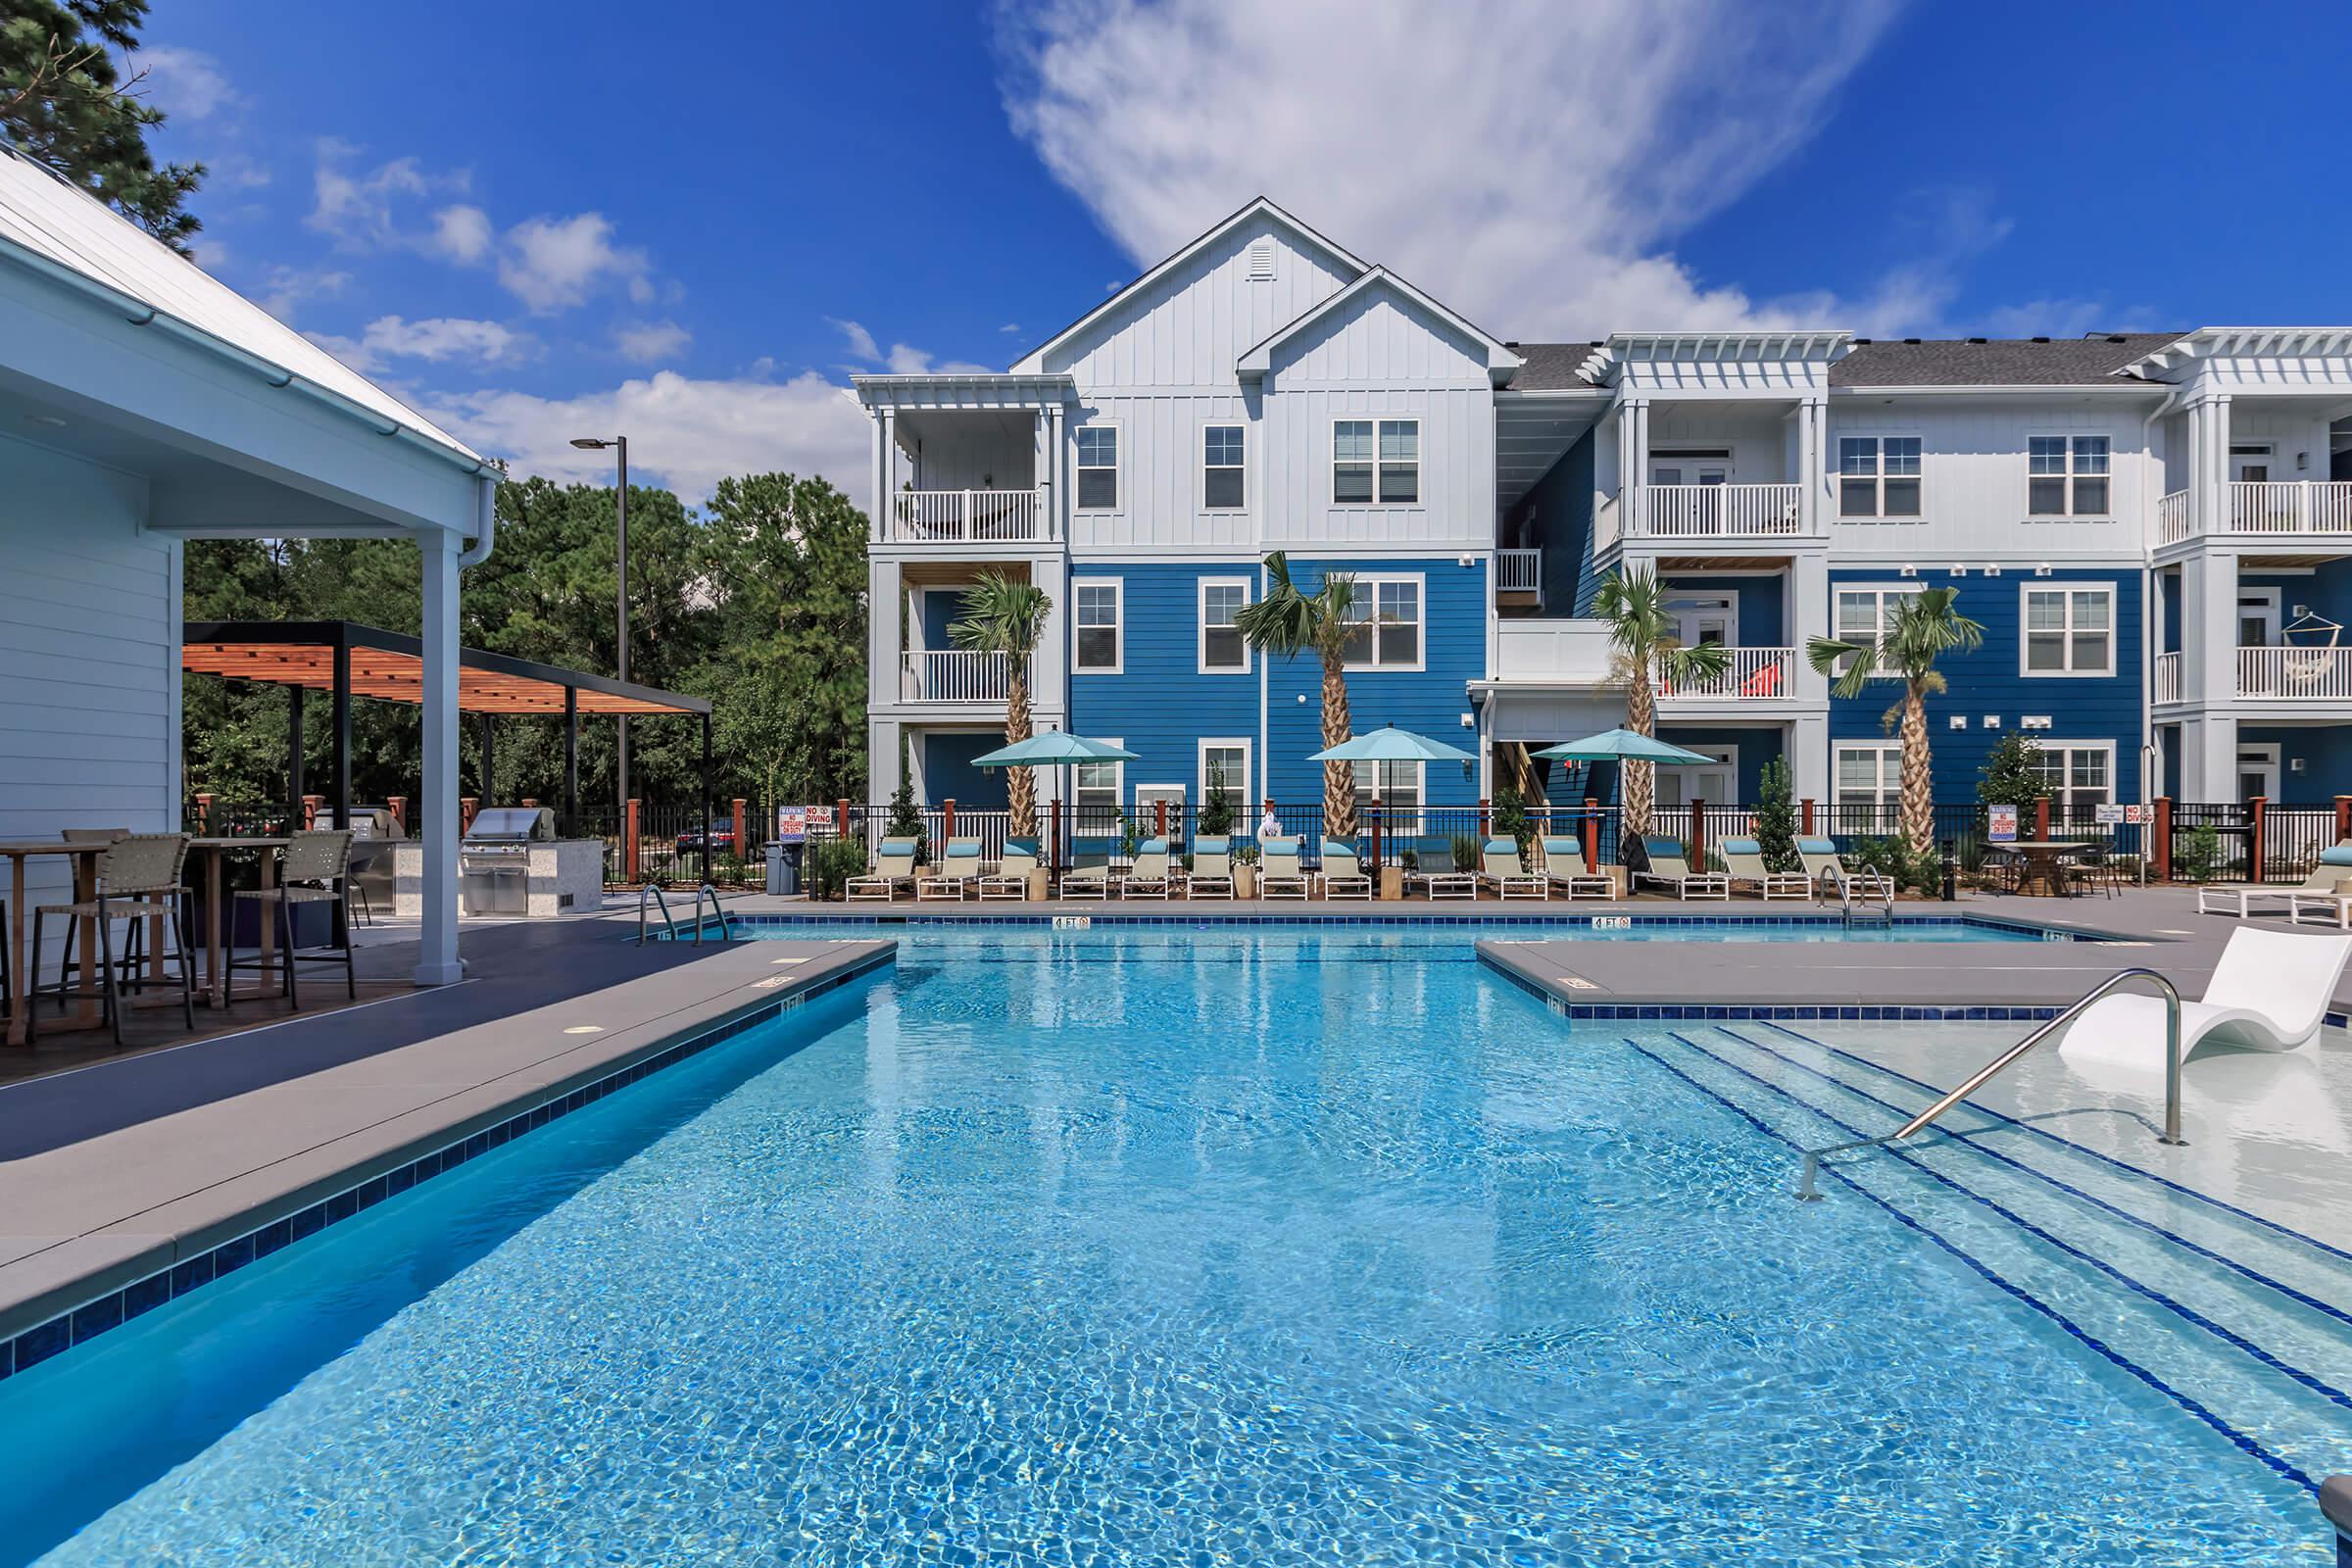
(2069, 632)
(1222, 487)
(2067, 477)
(1878, 477)
(1376, 458)
(1099, 468)
(1384, 624)
(1225, 760)
(1866, 613)
(1096, 789)
(1100, 627)
(1222, 649)
(1870, 787)
(1398, 788)
(2076, 776)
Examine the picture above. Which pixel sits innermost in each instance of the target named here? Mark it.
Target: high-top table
(220, 911)
(2045, 863)
(20, 922)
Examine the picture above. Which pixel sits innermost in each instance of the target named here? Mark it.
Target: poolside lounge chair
(1089, 875)
(1211, 875)
(1566, 869)
(957, 873)
(1343, 876)
(2271, 991)
(1665, 863)
(1011, 879)
(894, 868)
(1147, 877)
(1829, 873)
(1447, 882)
(1744, 859)
(2336, 865)
(1280, 875)
(1501, 868)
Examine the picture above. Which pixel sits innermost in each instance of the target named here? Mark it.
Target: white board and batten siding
(89, 657)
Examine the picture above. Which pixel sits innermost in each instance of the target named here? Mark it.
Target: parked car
(722, 840)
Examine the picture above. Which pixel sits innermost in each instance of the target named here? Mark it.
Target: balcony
(966, 517)
(2292, 674)
(1519, 578)
(2265, 506)
(2168, 677)
(1750, 676)
(1567, 653)
(956, 675)
(1718, 510)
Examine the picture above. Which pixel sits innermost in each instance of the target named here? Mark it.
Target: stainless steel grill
(494, 861)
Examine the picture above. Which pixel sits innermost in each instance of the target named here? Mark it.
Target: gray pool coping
(85, 1218)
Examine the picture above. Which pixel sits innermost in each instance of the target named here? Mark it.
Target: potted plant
(1245, 870)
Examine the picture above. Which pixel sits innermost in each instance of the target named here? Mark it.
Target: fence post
(1486, 819)
(2343, 817)
(204, 813)
(2042, 817)
(2258, 809)
(397, 805)
(1699, 835)
(629, 841)
(1376, 835)
(841, 818)
(309, 810)
(1159, 819)
(1805, 817)
(1056, 863)
(947, 819)
(1592, 834)
(2164, 838)
(738, 841)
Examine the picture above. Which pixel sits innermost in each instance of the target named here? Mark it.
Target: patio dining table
(20, 924)
(2045, 863)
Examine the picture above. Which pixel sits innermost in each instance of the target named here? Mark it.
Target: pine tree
(64, 102)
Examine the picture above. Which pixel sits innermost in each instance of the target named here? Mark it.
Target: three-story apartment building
(2152, 527)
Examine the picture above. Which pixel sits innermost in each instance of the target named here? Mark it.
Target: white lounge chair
(1147, 877)
(1280, 875)
(1010, 879)
(1448, 881)
(2271, 991)
(1089, 876)
(1343, 876)
(957, 873)
(2239, 900)
(1567, 869)
(1501, 868)
(1211, 875)
(1667, 865)
(1744, 859)
(1819, 858)
(894, 868)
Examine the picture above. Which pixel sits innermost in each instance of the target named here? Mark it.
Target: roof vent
(1261, 261)
(1510, 342)
(1976, 341)
(2041, 340)
(1910, 340)
(1863, 342)
(2115, 337)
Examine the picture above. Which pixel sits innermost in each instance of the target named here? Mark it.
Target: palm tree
(1917, 631)
(1288, 623)
(1005, 614)
(1642, 630)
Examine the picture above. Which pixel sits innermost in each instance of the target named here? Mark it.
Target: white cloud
(552, 264)
(904, 358)
(285, 288)
(436, 340)
(689, 434)
(462, 233)
(185, 82)
(1530, 163)
(860, 341)
(360, 210)
(649, 341)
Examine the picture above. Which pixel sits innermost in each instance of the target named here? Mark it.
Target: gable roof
(1259, 359)
(50, 225)
(1552, 366)
(2100, 359)
(1035, 358)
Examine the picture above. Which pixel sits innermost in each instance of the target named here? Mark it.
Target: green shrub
(831, 864)
(1466, 851)
(1919, 873)
(1411, 859)
(1511, 817)
(2197, 853)
(1216, 813)
(907, 822)
(1776, 818)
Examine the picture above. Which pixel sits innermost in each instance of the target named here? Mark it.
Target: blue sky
(537, 222)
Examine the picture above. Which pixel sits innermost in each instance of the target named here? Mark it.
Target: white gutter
(485, 522)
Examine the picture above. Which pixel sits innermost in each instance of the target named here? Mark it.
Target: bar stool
(315, 869)
(134, 870)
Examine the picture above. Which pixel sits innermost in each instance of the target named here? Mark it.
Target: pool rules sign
(2001, 824)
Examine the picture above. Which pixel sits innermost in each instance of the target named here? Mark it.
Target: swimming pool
(1441, 934)
(1145, 1247)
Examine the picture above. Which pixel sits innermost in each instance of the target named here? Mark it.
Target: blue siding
(948, 773)
(940, 609)
(1162, 706)
(1987, 681)
(2324, 750)
(1756, 747)
(2327, 589)
(1760, 601)
(1555, 516)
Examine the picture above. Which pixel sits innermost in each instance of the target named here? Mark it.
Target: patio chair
(1011, 879)
(1665, 863)
(2091, 866)
(1501, 868)
(1827, 871)
(894, 868)
(1279, 873)
(1088, 875)
(1211, 875)
(957, 873)
(1343, 876)
(1147, 877)
(1565, 868)
(2271, 991)
(1744, 859)
(132, 872)
(315, 868)
(2238, 901)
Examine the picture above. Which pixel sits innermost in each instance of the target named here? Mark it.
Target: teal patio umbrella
(1619, 746)
(1388, 744)
(1054, 748)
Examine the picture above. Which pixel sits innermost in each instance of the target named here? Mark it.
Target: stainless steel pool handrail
(653, 890)
(725, 932)
(1805, 1188)
(1845, 890)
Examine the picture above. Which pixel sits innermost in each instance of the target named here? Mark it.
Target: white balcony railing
(1568, 652)
(2290, 506)
(2302, 674)
(1714, 511)
(1750, 674)
(2168, 677)
(966, 517)
(956, 675)
(2171, 518)
(1519, 571)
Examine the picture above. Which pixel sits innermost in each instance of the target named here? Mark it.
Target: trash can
(783, 870)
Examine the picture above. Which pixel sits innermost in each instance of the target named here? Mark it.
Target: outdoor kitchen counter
(566, 876)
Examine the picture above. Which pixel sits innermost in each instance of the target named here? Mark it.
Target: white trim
(1238, 789)
(1728, 598)
(2070, 477)
(1889, 788)
(1118, 469)
(1118, 776)
(1878, 475)
(2066, 791)
(1201, 664)
(1368, 592)
(1410, 823)
(1881, 589)
(1375, 421)
(2026, 588)
(1200, 452)
(2272, 764)
(1259, 359)
(1729, 763)
(1118, 588)
(2274, 599)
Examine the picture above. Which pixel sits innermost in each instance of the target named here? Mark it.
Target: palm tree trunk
(1021, 783)
(1919, 790)
(1338, 778)
(1639, 782)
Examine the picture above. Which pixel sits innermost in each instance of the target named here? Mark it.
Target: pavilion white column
(1812, 416)
(437, 961)
(1638, 482)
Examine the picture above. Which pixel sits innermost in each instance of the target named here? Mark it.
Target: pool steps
(2242, 1323)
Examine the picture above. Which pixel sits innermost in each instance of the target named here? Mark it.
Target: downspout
(485, 522)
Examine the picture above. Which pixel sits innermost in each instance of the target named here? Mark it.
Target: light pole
(598, 442)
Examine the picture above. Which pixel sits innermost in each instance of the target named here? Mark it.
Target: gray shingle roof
(1550, 367)
(2000, 361)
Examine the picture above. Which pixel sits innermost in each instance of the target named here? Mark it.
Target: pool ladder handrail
(1846, 884)
(669, 926)
(1806, 1192)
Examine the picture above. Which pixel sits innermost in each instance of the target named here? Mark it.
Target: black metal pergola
(347, 660)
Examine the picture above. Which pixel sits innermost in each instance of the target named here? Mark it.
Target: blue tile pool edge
(1114, 916)
(112, 1308)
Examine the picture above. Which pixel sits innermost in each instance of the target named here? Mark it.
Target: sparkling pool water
(1323, 934)
(1110, 1247)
